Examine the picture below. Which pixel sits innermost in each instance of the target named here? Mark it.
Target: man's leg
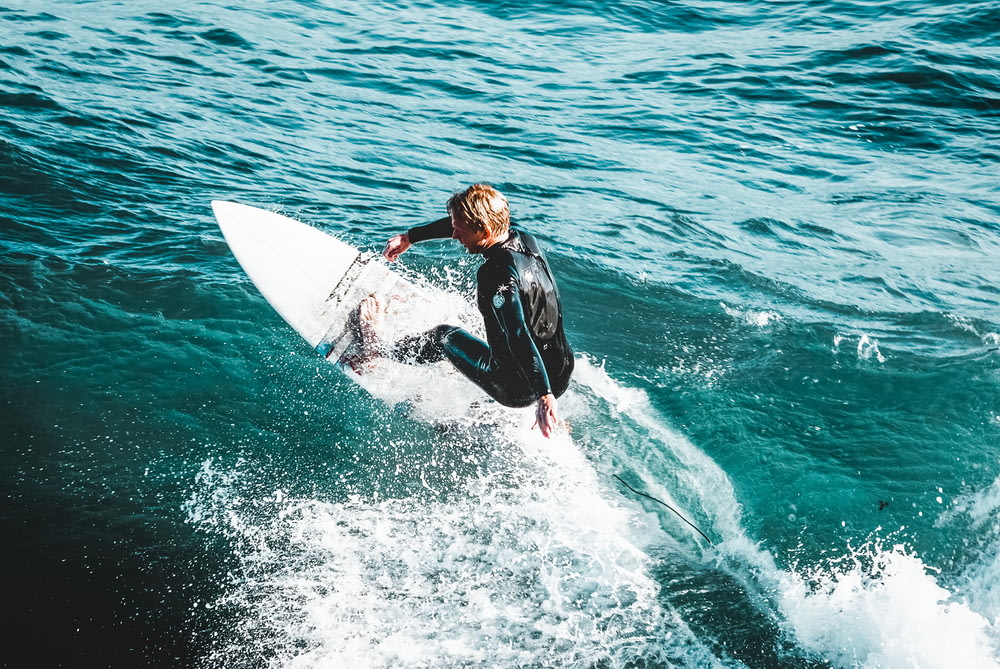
(423, 348)
(469, 354)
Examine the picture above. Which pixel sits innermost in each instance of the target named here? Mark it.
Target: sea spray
(880, 607)
(529, 565)
(979, 512)
(663, 459)
(872, 607)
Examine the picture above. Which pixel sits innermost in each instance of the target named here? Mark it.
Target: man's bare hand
(396, 246)
(545, 415)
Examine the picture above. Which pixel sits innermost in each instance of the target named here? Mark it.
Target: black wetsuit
(525, 355)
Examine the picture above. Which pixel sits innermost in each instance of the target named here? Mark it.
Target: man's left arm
(509, 312)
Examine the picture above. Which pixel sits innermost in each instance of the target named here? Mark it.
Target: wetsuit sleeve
(508, 309)
(440, 229)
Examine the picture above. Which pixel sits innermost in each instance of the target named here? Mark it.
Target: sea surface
(776, 228)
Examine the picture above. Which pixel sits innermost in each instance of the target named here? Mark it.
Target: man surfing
(525, 359)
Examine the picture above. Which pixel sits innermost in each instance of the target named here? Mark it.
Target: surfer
(525, 359)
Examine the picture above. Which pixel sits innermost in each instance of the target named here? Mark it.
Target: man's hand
(545, 415)
(396, 246)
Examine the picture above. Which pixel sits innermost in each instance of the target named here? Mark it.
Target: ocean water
(776, 227)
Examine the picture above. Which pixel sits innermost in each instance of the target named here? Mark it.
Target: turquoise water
(777, 231)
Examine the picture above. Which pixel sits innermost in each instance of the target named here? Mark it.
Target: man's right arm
(397, 245)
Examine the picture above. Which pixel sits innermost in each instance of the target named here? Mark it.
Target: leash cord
(659, 501)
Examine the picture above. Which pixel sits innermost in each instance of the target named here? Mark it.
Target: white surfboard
(316, 282)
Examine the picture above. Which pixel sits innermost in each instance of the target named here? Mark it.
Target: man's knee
(441, 331)
(423, 348)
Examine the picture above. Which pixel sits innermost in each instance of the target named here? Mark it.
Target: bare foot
(369, 313)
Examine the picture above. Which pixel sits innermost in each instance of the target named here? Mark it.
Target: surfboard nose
(295, 266)
(226, 210)
(219, 205)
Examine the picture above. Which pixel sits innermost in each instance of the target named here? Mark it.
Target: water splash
(881, 607)
(981, 580)
(529, 565)
(875, 606)
(667, 464)
(757, 317)
(867, 347)
(537, 559)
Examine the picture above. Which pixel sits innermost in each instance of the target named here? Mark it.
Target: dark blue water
(776, 227)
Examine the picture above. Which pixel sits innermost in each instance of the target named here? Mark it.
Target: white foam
(757, 317)
(881, 608)
(672, 468)
(981, 580)
(867, 348)
(527, 566)
(990, 339)
(539, 560)
(873, 608)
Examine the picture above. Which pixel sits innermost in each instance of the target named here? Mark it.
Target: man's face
(474, 241)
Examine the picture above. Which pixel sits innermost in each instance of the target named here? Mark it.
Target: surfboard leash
(660, 501)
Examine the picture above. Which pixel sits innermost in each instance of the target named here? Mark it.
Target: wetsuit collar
(511, 243)
(499, 243)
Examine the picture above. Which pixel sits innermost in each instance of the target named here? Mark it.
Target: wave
(880, 606)
(527, 566)
(528, 554)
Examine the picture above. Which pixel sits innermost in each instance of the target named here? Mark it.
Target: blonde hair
(481, 207)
